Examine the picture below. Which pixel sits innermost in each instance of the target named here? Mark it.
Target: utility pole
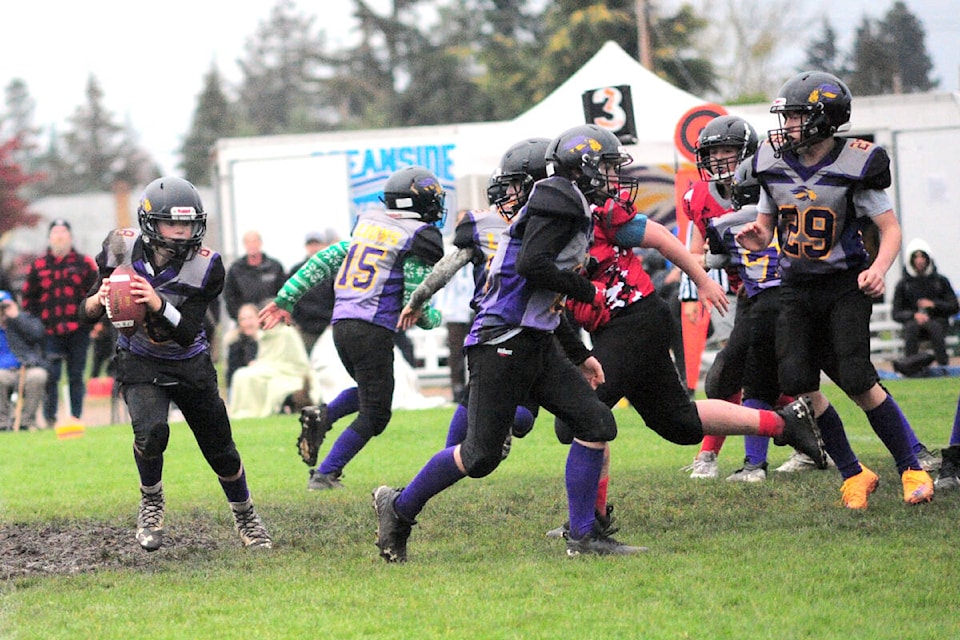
(643, 35)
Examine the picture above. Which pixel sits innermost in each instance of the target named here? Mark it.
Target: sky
(150, 58)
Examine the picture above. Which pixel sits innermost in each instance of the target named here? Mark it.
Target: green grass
(777, 560)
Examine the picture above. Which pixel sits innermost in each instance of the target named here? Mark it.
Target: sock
(522, 422)
(955, 434)
(346, 402)
(712, 443)
(582, 479)
(150, 470)
(836, 444)
(440, 472)
(756, 446)
(783, 401)
(891, 426)
(771, 424)
(344, 449)
(236, 490)
(601, 503)
(457, 430)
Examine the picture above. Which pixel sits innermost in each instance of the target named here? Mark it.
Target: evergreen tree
(889, 56)
(822, 54)
(279, 92)
(212, 119)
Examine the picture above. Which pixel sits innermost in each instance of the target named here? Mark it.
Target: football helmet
(521, 165)
(416, 189)
(745, 188)
(593, 157)
(824, 102)
(172, 199)
(724, 131)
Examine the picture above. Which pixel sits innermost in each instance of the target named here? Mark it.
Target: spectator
(241, 342)
(21, 364)
(923, 302)
(53, 291)
(254, 277)
(314, 310)
(279, 370)
(104, 339)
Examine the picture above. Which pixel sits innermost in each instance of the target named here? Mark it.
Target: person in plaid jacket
(53, 290)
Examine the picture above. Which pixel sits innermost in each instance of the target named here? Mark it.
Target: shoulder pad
(556, 197)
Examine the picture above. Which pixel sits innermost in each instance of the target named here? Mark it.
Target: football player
(389, 253)
(167, 359)
(819, 192)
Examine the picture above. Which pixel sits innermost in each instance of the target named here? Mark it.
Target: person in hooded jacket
(923, 302)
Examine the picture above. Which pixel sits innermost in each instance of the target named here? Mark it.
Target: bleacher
(886, 335)
(430, 348)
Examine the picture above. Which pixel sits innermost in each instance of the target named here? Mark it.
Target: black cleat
(600, 545)
(392, 531)
(314, 427)
(801, 432)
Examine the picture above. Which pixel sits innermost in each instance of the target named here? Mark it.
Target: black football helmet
(416, 189)
(521, 165)
(724, 131)
(172, 199)
(745, 188)
(578, 154)
(824, 101)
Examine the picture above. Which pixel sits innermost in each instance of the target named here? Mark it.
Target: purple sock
(458, 427)
(236, 490)
(523, 421)
(346, 402)
(836, 443)
(756, 446)
(583, 475)
(151, 471)
(344, 449)
(955, 434)
(439, 473)
(891, 425)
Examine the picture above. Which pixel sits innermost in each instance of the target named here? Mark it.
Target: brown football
(125, 314)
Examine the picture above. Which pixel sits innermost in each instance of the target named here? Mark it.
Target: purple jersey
(175, 284)
(510, 302)
(370, 284)
(819, 223)
(480, 230)
(758, 269)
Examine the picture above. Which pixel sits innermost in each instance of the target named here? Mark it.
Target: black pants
(366, 351)
(529, 367)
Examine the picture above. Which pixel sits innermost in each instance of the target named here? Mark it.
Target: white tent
(658, 105)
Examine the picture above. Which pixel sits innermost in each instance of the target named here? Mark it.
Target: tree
(97, 150)
(279, 92)
(212, 119)
(17, 122)
(890, 56)
(822, 54)
(13, 208)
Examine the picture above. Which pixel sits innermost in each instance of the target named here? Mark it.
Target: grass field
(780, 559)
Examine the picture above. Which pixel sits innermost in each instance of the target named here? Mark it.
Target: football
(125, 314)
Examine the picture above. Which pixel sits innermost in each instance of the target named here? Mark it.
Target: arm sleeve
(415, 270)
(321, 265)
(568, 333)
(442, 273)
(544, 237)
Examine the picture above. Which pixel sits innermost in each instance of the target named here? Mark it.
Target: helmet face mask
(520, 167)
(730, 133)
(594, 158)
(822, 102)
(416, 189)
(171, 199)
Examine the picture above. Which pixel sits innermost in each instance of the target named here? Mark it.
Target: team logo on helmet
(824, 92)
(580, 143)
